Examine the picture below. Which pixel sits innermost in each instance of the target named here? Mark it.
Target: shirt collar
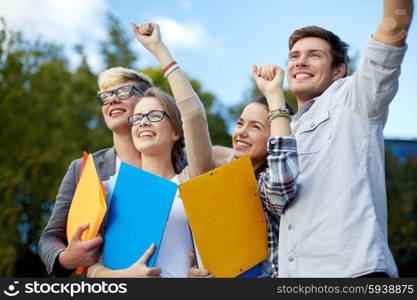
(305, 108)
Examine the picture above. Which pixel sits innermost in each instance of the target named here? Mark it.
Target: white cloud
(189, 35)
(82, 22)
(64, 22)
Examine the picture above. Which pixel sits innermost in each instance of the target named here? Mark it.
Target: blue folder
(139, 208)
(254, 272)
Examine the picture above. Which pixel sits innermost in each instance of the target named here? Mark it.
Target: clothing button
(289, 227)
(290, 259)
(273, 142)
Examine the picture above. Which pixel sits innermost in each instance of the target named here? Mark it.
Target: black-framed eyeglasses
(152, 116)
(123, 93)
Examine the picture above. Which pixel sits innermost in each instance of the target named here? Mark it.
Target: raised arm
(394, 26)
(277, 186)
(196, 134)
(149, 36)
(269, 79)
(375, 83)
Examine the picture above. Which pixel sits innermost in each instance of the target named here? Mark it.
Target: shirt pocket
(314, 133)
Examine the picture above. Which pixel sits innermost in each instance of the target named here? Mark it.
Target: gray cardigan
(53, 239)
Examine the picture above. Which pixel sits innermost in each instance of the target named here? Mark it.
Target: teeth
(116, 111)
(302, 76)
(243, 144)
(146, 133)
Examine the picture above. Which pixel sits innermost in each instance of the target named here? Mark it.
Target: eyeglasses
(122, 93)
(152, 116)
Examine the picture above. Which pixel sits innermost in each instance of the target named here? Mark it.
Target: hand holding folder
(226, 218)
(88, 204)
(138, 211)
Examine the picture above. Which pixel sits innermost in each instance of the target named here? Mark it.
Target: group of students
(320, 172)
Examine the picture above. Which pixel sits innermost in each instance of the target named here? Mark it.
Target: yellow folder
(88, 204)
(226, 218)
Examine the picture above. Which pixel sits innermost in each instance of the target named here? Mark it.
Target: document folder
(226, 218)
(88, 204)
(138, 212)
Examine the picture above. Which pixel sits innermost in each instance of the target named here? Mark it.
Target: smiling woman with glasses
(120, 90)
(160, 128)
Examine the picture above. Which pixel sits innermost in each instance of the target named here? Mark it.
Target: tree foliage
(401, 181)
(47, 121)
(216, 121)
(50, 115)
(116, 50)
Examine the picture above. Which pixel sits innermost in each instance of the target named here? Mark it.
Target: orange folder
(88, 204)
(226, 218)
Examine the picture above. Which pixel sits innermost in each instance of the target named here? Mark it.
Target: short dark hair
(339, 49)
(262, 100)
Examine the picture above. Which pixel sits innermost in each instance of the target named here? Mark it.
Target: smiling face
(117, 111)
(251, 134)
(153, 137)
(310, 70)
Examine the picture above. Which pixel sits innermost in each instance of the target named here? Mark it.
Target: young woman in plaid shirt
(266, 121)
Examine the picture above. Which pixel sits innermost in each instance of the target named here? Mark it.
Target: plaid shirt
(277, 187)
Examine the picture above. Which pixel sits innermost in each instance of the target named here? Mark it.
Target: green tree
(116, 50)
(49, 118)
(30, 112)
(217, 121)
(401, 184)
(50, 115)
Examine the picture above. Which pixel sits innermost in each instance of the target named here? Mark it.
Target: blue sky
(217, 41)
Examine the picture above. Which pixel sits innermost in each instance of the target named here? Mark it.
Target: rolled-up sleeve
(372, 87)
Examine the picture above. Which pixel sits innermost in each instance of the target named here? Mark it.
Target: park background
(52, 51)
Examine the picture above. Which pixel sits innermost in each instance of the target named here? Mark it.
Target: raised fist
(268, 78)
(148, 35)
